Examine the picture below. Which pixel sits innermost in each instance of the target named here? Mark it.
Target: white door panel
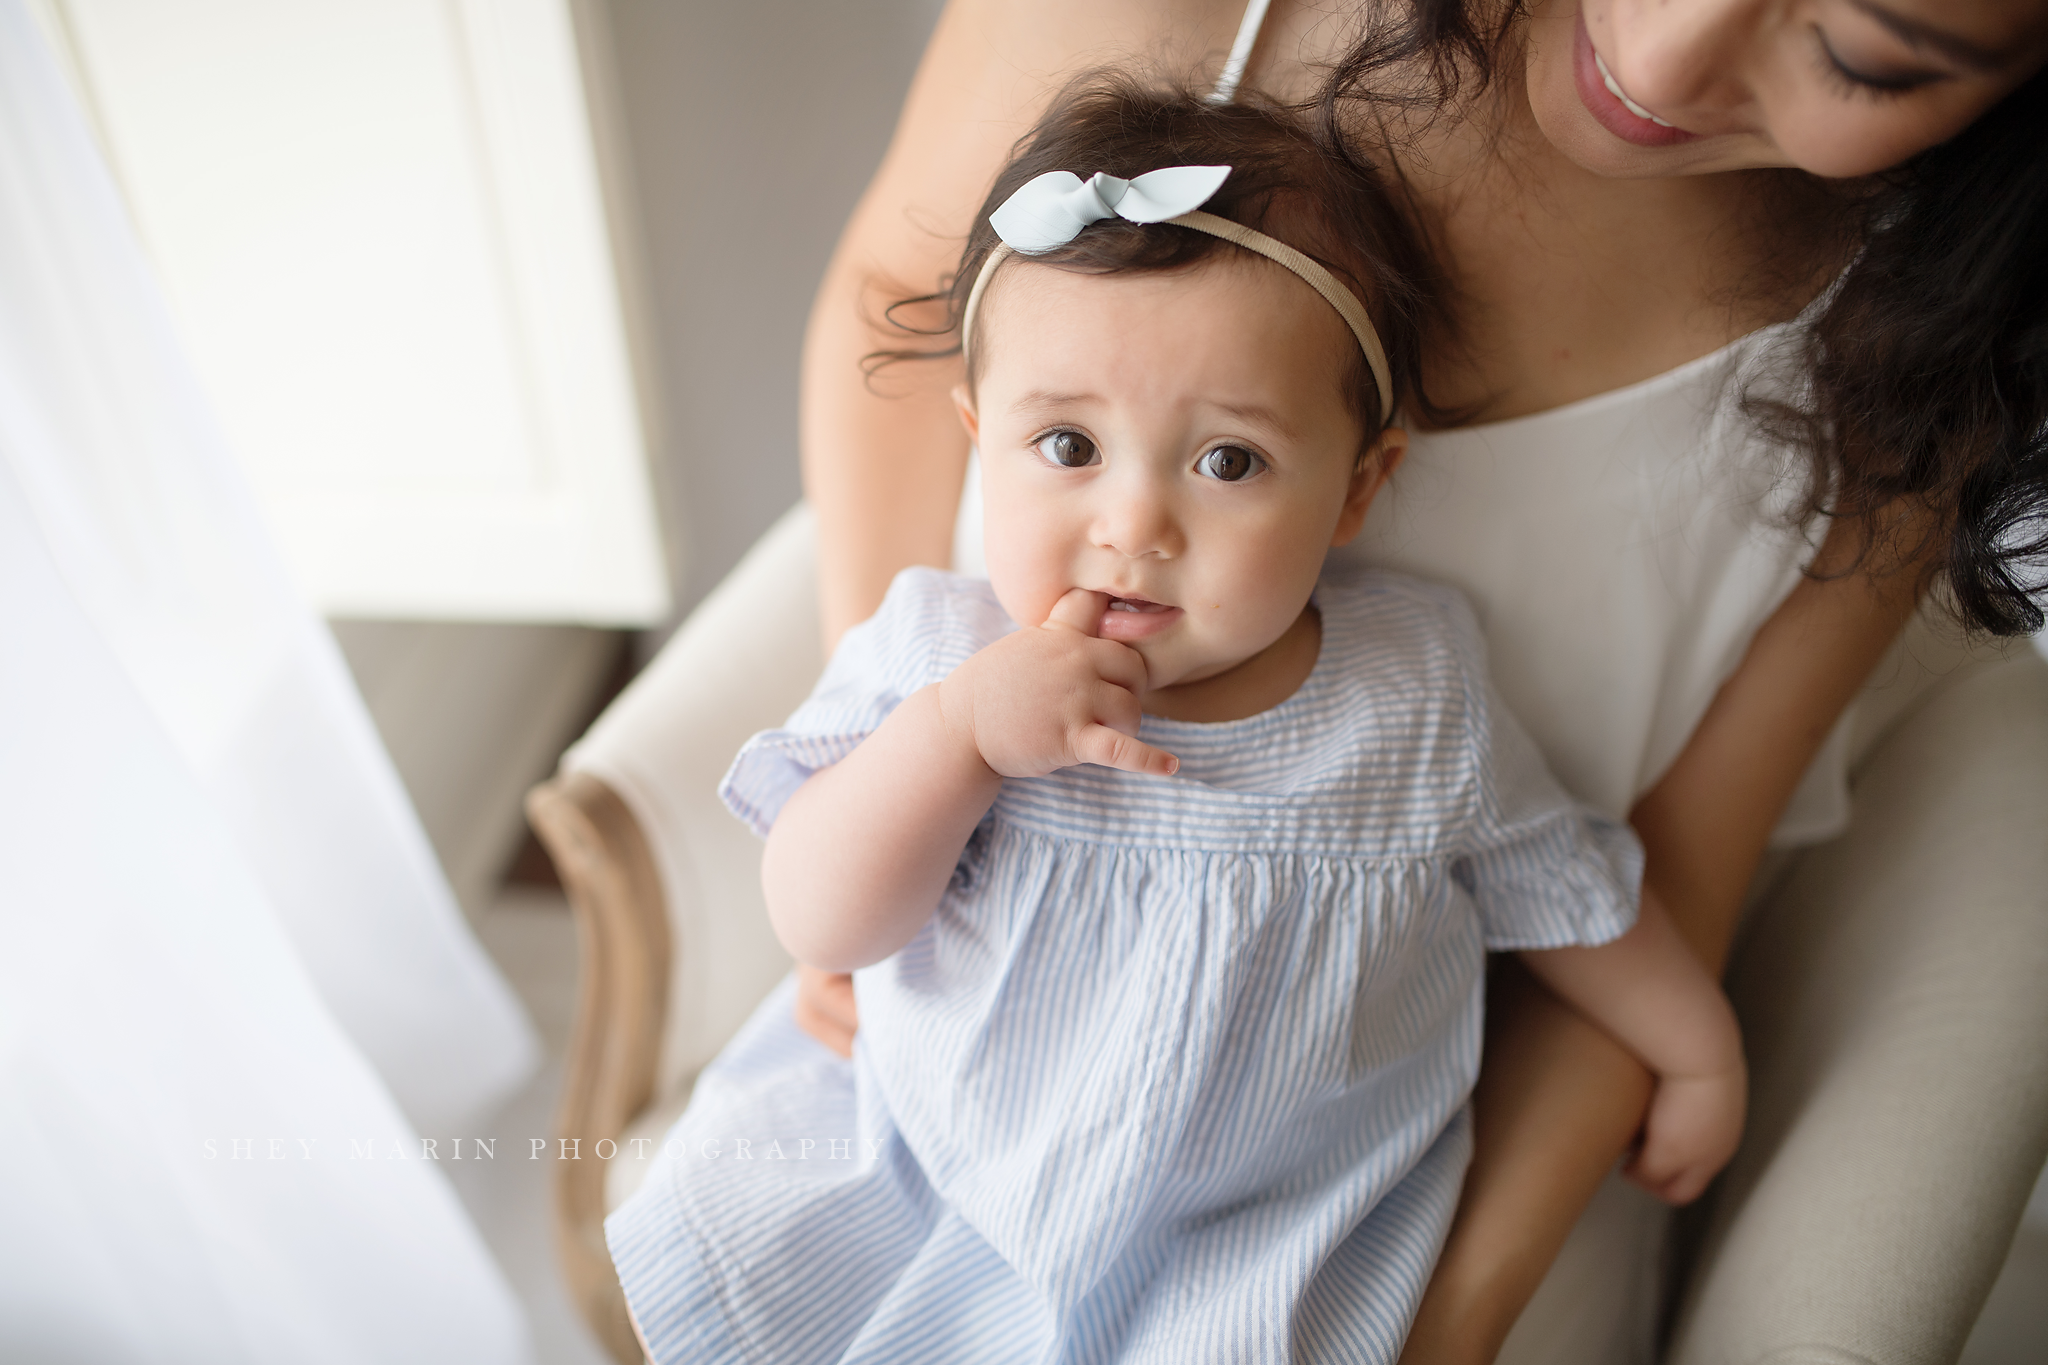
(381, 226)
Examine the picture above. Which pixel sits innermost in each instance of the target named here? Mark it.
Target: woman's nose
(1687, 58)
(1137, 521)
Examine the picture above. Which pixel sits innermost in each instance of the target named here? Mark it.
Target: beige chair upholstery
(666, 887)
(677, 951)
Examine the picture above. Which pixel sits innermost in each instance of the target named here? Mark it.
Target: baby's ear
(963, 403)
(1373, 468)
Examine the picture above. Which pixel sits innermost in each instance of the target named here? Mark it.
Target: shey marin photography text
(771, 1148)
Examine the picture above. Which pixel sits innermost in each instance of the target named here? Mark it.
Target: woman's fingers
(1115, 749)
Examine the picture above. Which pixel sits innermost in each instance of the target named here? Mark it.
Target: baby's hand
(1047, 698)
(1693, 1127)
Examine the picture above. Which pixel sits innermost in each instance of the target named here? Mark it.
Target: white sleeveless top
(1620, 552)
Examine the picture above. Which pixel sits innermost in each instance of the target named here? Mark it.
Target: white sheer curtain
(235, 991)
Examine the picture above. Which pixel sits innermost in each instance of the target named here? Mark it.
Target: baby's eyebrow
(1251, 414)
(1257, 414)
(1048, 398)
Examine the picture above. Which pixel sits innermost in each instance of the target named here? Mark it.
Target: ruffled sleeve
(928, 625)
(1545, 870)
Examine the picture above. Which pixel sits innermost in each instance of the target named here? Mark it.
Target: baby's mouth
(1134, 618)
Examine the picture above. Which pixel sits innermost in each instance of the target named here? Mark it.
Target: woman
(1624, 198)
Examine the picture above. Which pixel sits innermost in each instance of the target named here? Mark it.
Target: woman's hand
(1048, 698)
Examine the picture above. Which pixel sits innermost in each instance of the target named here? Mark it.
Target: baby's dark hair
(1284, 183)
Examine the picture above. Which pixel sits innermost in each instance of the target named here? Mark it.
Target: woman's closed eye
(1229, 464)
(1852, 79)
(1067, 449)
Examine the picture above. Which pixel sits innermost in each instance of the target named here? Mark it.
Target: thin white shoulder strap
(1240, 53)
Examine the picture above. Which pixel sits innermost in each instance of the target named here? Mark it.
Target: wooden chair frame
(622, 934)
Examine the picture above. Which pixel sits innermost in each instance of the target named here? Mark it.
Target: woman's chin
(1580, 139)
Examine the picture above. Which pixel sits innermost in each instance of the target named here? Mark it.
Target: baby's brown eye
(1229, 463)
(1068, 449)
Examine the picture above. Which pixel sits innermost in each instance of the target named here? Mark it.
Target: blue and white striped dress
(1179, 1068)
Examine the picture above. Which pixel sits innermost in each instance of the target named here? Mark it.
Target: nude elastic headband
(1050, 211)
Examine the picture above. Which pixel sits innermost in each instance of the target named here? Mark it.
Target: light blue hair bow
(1050, 210)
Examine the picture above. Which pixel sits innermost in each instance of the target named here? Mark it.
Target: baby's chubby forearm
(1651, 993)
(860, 855)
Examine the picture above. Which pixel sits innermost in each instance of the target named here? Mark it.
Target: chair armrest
(622, 937)
(744, 660)
(664, 883)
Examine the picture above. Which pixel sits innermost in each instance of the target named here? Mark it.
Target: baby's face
(1176, 441)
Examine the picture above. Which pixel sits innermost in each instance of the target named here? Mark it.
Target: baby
(1167, 860)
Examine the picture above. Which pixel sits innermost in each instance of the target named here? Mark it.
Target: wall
(473, 713)
(750, 127)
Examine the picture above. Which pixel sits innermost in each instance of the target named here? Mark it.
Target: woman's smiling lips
(1135, 618)
(1603, 100)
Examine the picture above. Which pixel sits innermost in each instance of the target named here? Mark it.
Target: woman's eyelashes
(1229, 464)
(1872, 85)
(1066, 449)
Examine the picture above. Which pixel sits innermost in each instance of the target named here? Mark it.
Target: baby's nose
(1138, 523)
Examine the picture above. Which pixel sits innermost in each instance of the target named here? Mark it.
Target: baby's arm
(1650, 991)
(861, 853)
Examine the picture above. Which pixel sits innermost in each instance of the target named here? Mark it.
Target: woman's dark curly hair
(1927, 364)
(1286, 181)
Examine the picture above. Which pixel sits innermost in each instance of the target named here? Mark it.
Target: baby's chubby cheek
(1028, 604)
(1027, 584)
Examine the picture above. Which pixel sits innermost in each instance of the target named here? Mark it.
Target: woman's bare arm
(1708, 818)
(1558, 1100)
